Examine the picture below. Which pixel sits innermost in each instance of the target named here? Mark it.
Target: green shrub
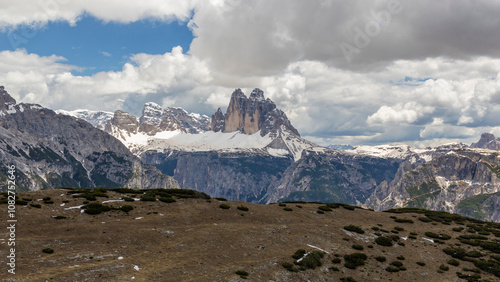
(242, 273)
(127, 199)
(347, 279)
(402, 220)
(354, 228)
(95, 208)
(424, 219)
(320, 212)
(46, 198)
(333, 268)
(381, 258)
(397, 263)
(35, 205)
(375, 228)
(357, 247)
(457, 229)
(324, 208)
(392, 268)
(48, 202)
(453, 262)
(311, 260)
(458, 253)
(167, 199)
(421, 263)
(290, 267)
(224, 206)
(384, 241)
(438, 236)
(401, 258)
(299, 254)
(287, 209)
(474, 254)
(48, 250)
(126, 208)
(242, 208)
(221, 199)
(282, 204)
(60, 217)
(148, 197)
(354, 260)
(469, 277)
(399, 228)
(444, 267)
(336, 260)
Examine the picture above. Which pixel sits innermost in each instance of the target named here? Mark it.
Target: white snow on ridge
(383, 151)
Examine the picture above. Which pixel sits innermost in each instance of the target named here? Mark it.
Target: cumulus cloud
(26, 12)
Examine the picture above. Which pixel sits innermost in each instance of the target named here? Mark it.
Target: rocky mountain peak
(217, 121)
(250, 115)
(125, 121)
(257, 94)
(5, 99)
(487, 141)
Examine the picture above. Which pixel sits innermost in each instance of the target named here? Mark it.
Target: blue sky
(96, 46)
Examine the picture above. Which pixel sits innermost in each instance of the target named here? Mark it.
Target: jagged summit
(5, 99)
(252, 114)
(487, 141)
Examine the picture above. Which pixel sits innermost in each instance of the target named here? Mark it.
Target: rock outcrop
(252, 114)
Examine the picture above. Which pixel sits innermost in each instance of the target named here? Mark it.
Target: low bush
(126, 208)
(397, 263)
(401, 258)
(311, 260)
(148, 197)
(444, 267)
(336, 260)
(324, 208)
(399, 228)
(127, 199)
(392, 268)
(298, 254)
(282, 204)
(48, 250)
(242, 273)
(354, 228)
(287, 209)
(357, 247)
(224, 206)
(60, 217)
(35, 205)
(453, 262)
(95, 208)
(221, 199)
(421, 263)
(402, 220)
(381, 258)
(167, 199)
(290, 267)
(242, 208)
(320, 212)
(354, 260)
(384, 241)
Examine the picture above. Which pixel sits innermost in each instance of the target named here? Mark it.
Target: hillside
(194, 239)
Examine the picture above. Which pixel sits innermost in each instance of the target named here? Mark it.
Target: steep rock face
(249, 115)
(440, 184)
(243, 176)
(51, 150)
(333, 176)
(487, 141)
(6, 101)
(125, 121)
(217, 121)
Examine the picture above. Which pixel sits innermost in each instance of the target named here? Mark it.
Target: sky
(354, 72)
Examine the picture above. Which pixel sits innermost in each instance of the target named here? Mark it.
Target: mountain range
(250, 153)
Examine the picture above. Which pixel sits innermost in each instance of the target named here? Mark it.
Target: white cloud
(19, 12)
(407, 113)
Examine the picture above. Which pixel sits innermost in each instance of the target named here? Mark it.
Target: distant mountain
(340, 147)
(487, 141)
(51, 150)
(96, 118)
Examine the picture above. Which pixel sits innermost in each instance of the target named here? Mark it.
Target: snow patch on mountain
(96, 118)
